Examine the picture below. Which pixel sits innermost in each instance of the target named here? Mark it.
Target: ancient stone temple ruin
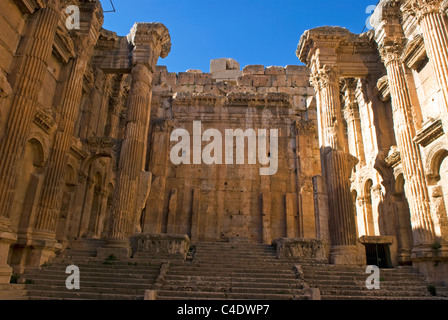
(327, 166)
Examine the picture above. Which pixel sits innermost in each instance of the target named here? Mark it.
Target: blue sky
(250, 31)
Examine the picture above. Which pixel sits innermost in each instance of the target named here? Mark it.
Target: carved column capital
(150, 41)
(420, 8)
(329, 75)
(391, 52)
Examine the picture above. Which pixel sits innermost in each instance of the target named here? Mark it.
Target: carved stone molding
(197, 99)
(431, 131)
(44, 121)
(63, 47)
(414, 52)
(78, 152)
(29, 6)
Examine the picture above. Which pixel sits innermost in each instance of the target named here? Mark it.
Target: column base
(121, 249)
(404, 258)
(432, 263)
(41, 248)
(346, 255)
(6, 239)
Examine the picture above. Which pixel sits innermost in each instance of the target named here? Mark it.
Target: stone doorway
(378, 254)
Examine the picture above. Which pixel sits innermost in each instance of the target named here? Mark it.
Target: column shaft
(416, 187)
(133, 155)
(337, 170)
(24, 103)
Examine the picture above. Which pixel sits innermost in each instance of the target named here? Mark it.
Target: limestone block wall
(218, 202)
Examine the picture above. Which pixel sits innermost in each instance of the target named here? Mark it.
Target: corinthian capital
(420, 8)
(324, 76)
(390, 52)
(150, 41)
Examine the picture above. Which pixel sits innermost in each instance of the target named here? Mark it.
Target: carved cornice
(29, 6)
(63, 47)
(78, 152)
(431, 131)
(269, 100)
(104, 146)
(197, 99)
(107, 40)
(44, 121)
(414, 52)
(421, 8)
(325, 36)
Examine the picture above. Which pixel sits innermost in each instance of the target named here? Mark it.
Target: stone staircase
(215, 271)
(232, 271)
(13, 292)
(349, 283)
(99, 280)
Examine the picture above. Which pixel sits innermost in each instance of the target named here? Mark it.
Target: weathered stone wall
(218, 202)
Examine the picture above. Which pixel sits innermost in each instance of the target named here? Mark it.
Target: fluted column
(416, 187)
(131, 161)
(150, 41)
(351, 115)
(49, 208)
(338, 165)
(23, 108)
(432, 18)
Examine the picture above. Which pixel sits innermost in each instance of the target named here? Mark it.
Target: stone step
(269, 291)
(102, 268)
(336, 283)
(56, 295)
(245, 283)
(88, 277)
(420, 292)
(213, 278)
(186, 295)
(13, 292)
(97, 283)
(231, 267)
(225, 256)
(338, 297)
(355, 277)
(232, 274)
(78, 253)
(342, 272)
(140, 291)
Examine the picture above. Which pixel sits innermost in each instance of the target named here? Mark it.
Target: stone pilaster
(416, 186)
(150, 41)
(25, 94)
(85, 40)
(432, 18)
(338, 165)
